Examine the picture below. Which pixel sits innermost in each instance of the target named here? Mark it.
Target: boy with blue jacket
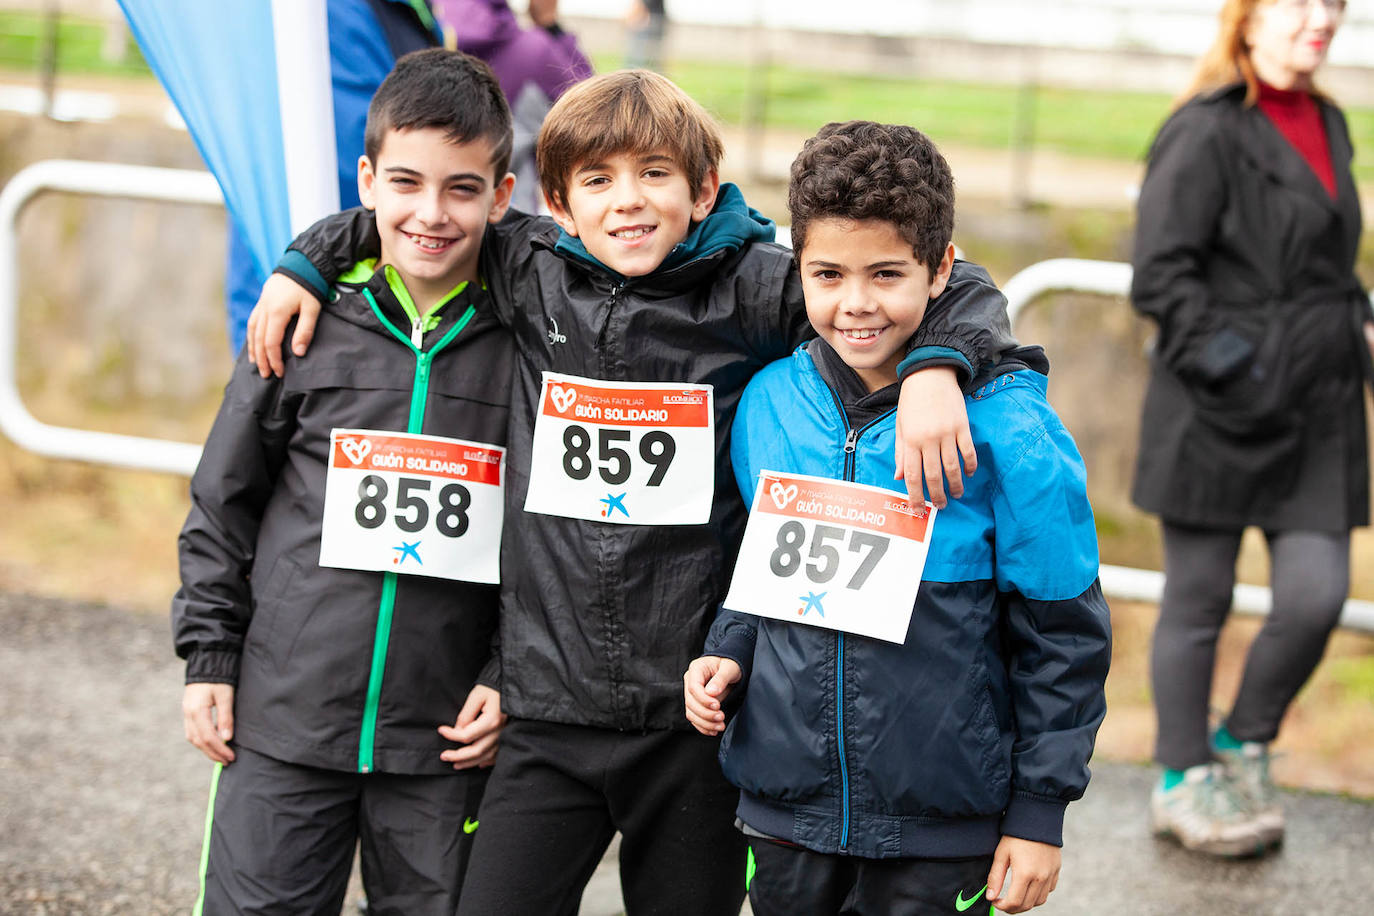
(638, 314)
(913, 777)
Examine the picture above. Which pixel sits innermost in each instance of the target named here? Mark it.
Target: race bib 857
(833, 554)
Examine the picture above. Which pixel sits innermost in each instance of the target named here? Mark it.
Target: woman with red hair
(1246, 240)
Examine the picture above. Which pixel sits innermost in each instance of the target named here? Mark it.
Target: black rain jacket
(1254, 413)
(333, 669)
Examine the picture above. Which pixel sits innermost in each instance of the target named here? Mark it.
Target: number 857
(824, 559)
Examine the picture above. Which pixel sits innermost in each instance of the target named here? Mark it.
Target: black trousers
(280, 839)
(789, 880)
(1310, 577)
(558, 793)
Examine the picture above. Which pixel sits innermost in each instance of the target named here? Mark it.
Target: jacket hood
(729, 227)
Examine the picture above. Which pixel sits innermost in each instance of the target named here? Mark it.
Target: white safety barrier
(107, 180)
(176, 185)
(1109, 278)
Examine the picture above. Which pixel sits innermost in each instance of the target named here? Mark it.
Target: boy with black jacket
(339, 563)
(897, 755)
(639, 314)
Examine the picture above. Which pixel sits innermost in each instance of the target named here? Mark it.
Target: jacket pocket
(1258, 403)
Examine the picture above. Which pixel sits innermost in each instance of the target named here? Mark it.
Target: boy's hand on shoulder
(706, 684)
(1034, 869)
(477, 728)
(281, 300)
(207, 714)
(933, 435)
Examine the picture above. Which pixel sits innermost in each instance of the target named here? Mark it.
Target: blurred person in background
(648, 23)
(1245, 249)
(534, 66)
(366, 37)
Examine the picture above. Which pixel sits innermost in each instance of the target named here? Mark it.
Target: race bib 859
(628, 453)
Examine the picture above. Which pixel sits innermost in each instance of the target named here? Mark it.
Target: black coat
(599, 621)
(1254, 413)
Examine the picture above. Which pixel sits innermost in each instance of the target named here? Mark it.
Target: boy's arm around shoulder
(966, 327)
(767, 294)
(1056, 618)
(229, 492)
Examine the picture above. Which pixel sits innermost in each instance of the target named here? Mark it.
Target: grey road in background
(102, 803)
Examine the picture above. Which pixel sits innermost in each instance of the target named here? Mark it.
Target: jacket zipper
(386, 607)
(851, 442)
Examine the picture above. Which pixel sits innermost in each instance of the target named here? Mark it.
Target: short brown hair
(445, 90)
(629, 111)
(861, 170)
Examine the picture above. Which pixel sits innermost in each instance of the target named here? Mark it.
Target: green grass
(22, 36)
(1112, 125)
(1099, 124)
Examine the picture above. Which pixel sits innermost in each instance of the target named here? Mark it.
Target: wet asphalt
(102, 803)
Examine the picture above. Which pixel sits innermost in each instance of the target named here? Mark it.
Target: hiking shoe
(1205, 813)
(1247, 767)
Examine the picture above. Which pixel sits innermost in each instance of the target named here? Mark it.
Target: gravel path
(102, 803)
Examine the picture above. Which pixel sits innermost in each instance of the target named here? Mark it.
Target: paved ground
(102, 803)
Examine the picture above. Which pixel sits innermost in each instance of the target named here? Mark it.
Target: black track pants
(789, 880)
(558, 794)
(281, 837)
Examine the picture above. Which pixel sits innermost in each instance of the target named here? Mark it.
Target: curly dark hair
(864, 170)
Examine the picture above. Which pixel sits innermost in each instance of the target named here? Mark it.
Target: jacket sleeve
(229, 493)
(965, 327)
(1057, 630)
(1177, 219)
(322, 253)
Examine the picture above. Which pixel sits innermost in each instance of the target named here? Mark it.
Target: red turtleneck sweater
(1296, 115)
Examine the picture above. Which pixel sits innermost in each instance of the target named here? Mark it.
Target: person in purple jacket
(533, 65)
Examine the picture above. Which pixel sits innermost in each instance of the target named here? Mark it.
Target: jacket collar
(1262, 143)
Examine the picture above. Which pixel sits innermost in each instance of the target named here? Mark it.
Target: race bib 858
(412, 504)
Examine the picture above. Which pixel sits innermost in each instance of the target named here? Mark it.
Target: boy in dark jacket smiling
(339, 562)
(899, 757)
(639, 314)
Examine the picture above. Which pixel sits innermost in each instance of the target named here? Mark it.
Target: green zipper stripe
(374, 680)
(205, 846)
(386, 607)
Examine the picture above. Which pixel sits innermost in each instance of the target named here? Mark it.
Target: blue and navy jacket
(981, 724)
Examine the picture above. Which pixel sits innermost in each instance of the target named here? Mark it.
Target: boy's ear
(939, 278)
(559, 211)
(705, 200)
(367, 179)
(500, 201)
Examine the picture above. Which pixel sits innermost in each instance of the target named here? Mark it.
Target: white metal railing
(1109, 278)
(107, 180)
(181, 186)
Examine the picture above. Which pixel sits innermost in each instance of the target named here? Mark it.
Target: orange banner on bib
(417, 455)
(835, 501)
(627, 406)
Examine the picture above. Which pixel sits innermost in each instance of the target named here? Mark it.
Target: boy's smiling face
(433, 199)
(866, 292)
(632, 209)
